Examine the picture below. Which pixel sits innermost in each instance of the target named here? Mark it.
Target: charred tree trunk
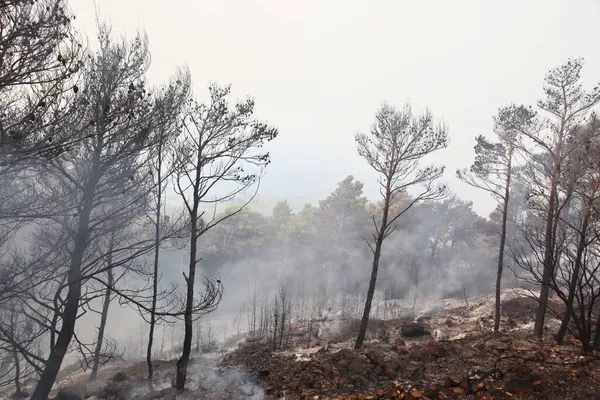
(71, 308)
(362, 333)
(597, 335)
(540, 313)
(18, 390)
(71, 304)
(275, 325)
(198, 337)
(560, 335)
(155, 271)
(15, 354)
(103, 319)
(502, 245)
(182, 363)
(381, 232)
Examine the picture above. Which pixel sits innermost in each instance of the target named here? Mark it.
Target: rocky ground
(437, 351)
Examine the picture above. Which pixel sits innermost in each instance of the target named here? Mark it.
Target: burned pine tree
(576, 279)
(492, 172)
(394, 148)
(217, 145)
(40, 58)
(546, 151)
(105, 174)
(162, 171)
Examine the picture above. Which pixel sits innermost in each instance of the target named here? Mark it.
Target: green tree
(341, 220)
(282, 213)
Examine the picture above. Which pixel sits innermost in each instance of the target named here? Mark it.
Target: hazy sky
(319, 69)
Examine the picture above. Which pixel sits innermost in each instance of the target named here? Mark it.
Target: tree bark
(502, 245)
(597, 335)
(18, 390)
(564, 326)
(71, 308)
(103, 317)
(155, 272)
(182, 363)
(362, 333)
(540, 313)
(15, 354)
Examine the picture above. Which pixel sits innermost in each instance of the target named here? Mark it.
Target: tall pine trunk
(16, 360)
(182, 363)
(548, 263)
(362, 333)
(502, 245)
(155, 271)
(71, 308)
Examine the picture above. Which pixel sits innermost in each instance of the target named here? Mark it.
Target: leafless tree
(217, 144)
(396, 145)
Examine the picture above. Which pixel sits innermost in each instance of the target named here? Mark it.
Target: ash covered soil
(444, 351)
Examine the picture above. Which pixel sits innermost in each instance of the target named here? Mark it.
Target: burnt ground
(483, 366)
(453, 355)
(440, 354)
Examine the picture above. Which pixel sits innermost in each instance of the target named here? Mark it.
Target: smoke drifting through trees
(90, 153)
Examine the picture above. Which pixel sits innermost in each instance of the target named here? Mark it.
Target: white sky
(319, 69)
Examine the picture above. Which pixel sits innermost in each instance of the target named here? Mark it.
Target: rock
(453, 380)
(23, 394)
(110, 389)
(517, 385)
(116, 390)
(119, 377)
(30, 381)
(414, 330)
(415, 394)
(264, 373)
(480, 387)
(523, 371)
(389, 365)
(476, 370)
(71, 393)
(436, 350)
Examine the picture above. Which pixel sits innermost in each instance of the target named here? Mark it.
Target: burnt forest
(260, 199)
